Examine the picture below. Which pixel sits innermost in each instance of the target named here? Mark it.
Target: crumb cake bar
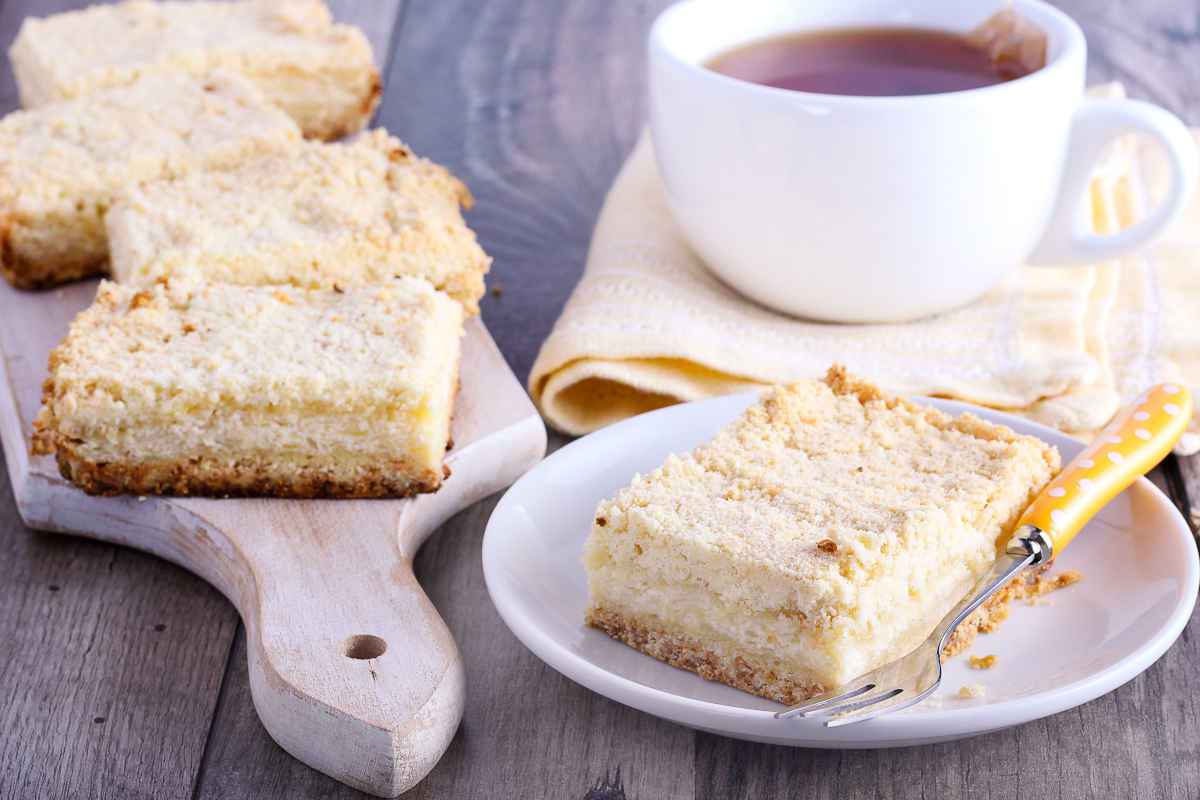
(819, 536)
(61, 165)
(321, 73)
(238, 390)
(317, 216)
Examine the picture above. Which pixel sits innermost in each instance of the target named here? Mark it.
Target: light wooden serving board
(321, 585)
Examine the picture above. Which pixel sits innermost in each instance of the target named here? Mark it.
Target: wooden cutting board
(351, 668)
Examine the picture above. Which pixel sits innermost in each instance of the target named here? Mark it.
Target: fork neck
(1030, 541)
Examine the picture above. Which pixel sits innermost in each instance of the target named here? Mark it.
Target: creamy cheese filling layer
(787, 641)
(418, 438)
(846, 603)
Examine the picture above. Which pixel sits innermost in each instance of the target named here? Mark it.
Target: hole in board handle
(364, 646)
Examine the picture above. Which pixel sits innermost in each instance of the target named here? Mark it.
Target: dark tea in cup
(869, 62)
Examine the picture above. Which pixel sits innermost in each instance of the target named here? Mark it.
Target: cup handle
(1069, 238)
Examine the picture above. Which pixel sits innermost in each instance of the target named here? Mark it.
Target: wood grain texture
(110, 668)
(535, 105)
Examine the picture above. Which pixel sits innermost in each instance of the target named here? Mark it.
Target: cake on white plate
(822, 534)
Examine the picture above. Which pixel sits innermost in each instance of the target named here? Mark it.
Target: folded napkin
(649, 326)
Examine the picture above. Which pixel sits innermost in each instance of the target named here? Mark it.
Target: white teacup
(877, 209)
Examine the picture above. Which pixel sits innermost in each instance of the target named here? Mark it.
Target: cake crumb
(1029, 587)
(971, 691)
(1066, 579)
(497, 290)
(827, 546)
(981, 662)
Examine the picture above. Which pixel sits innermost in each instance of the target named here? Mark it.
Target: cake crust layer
(694, 656)
(247, 477)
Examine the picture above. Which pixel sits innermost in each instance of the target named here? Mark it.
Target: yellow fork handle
(1132, 444)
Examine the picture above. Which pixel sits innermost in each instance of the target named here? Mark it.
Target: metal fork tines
(894, 686)
(910, 679)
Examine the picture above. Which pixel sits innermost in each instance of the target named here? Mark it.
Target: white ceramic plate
(1137, 557)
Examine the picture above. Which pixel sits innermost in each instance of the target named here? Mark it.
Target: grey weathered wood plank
(1152, 47)
(1190, 469)
(535, 106)
(109, 671)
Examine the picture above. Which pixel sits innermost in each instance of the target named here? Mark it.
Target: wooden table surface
(123, 676)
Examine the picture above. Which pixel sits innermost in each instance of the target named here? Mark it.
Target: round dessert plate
(1137, 558)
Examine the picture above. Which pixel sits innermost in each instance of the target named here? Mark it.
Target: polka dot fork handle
(1135, 441)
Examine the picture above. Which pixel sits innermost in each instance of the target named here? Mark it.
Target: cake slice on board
(321, 73)
(822, 534)
(62, 165)
(316, 215)
(233, 390)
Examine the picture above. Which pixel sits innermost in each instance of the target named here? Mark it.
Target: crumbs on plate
(971, 691)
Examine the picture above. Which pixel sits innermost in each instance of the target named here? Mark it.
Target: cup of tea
(870, 162)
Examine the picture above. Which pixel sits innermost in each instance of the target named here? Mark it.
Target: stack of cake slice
(288, 312)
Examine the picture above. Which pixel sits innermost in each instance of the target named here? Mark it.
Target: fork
(1132, 444)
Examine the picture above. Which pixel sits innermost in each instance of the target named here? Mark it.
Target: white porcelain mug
(878, 209)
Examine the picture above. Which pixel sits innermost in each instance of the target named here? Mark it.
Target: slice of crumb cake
(820, 535)
(62, 164)
(318, 71)
(233, 390)
(317, 215)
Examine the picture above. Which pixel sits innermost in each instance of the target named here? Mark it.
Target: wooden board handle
(351, 668)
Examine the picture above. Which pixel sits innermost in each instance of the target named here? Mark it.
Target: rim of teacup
(1065, 41)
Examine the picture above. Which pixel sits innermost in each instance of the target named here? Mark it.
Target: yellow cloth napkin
(649, 326)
